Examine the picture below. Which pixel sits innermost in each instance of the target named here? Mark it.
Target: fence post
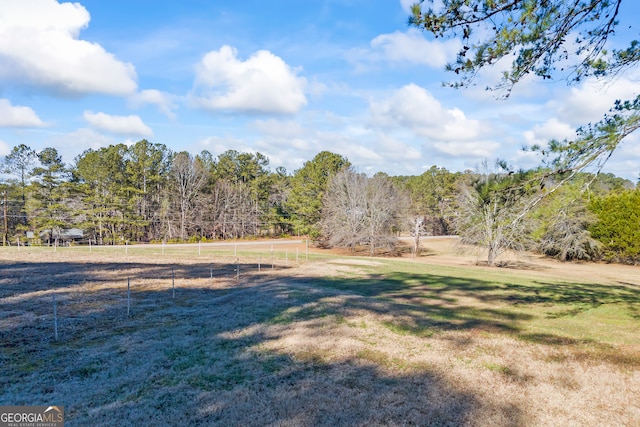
(55, 317)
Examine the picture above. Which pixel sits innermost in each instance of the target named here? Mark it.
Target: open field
(317, 339)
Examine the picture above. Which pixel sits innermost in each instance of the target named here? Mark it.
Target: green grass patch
(430, 298)
(375, 356)
(504, 370)
(406, 329)
(306, 312)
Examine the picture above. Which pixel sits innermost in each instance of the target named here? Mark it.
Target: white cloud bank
(263, 83)
(442, 132)
(18, 116)
(404, 48)
(414, 108)
(412, 47)
(39, 46)
(164, 101)
(121, 125)
(593, 98)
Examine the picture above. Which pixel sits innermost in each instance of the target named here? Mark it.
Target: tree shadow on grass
(199, 359)
(431, 288)
(202, 358)
(41, 276)
(423, 304)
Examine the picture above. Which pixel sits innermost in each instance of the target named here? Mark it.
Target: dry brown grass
(278, 349)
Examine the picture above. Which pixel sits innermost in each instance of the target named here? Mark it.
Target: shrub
(618, 225)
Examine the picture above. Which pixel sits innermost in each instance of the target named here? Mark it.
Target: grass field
(329, 340)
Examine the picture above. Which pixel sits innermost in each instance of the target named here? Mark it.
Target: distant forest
(147, 193)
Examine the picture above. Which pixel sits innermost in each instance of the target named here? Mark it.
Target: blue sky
(285, 78)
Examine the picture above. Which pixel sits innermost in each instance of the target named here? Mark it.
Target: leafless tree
(358, 210)
(187, 178)
(229, 211)
(418, 228)
(568, 238)
(493, 212)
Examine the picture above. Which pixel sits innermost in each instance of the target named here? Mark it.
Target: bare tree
(386, 205)
(359, 210)
(234, 212)
(418, 228)
(493, 212)
(568, 237)
(187, 178)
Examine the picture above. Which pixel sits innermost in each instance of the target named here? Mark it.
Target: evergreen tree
(51, 212)
(618, 225)
(308, 186)
(147, 169)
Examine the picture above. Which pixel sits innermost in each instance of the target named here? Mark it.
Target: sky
(285, 78)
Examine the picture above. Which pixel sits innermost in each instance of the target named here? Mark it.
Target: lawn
(321, 341)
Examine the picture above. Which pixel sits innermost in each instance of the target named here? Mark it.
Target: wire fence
(70, 294)
(287, 249)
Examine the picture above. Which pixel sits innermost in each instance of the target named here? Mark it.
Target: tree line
(147, 193)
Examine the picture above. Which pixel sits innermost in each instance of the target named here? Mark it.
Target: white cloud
(290, 143)
(395, 150)
(263, 83)
(4, 148)
(39, 46)
(589, 101)
(403, 131)
(279, 128)
(551, 129)
(414, 108)
(406, 4)
(121, 125)
(412, 47)
(83, 138)
(18, 116)
(71, 144)
(404, 48)
(414, 114)
(164, 101)
(625, 161)
(469, 149)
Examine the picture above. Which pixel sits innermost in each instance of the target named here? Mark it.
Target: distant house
(66, 235)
